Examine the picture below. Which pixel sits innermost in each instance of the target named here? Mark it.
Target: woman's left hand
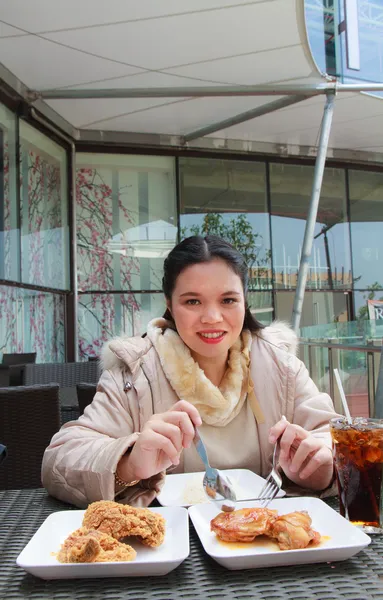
(304, 458)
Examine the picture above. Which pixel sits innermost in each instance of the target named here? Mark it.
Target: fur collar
(216, 405)
(130, 350)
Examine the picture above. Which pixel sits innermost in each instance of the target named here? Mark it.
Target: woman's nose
(211, 315)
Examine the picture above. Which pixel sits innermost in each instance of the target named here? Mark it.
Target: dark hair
(197, 249)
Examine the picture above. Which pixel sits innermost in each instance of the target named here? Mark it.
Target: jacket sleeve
(79, 464)
(312, 408)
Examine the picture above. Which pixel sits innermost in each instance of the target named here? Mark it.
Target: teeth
(212, 335)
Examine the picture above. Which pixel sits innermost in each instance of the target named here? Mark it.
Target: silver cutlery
(217, 486)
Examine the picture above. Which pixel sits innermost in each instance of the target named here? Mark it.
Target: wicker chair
(19, 359)
(4, 376)
(29, 416)
(85, 395)
(67, 375)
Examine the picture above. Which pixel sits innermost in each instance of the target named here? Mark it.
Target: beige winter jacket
(79, 464)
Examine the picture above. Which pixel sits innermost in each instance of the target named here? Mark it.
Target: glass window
(364, 43)
(366, 215)
(330, 262)
(228, 198)
(44, 210)
(9, 228)
(361, 302)
(321, 27)
(103, 316)
(261, 305)
(32, 321)
(126, 220)
(318, 307)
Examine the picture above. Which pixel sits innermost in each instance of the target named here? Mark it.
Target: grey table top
(198, 577)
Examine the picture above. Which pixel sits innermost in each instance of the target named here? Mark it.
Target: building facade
(73, 274)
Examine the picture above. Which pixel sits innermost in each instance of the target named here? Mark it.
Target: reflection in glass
(321, 25)
(9, 230)
(32, 321)
(103, 316)
(44, 210)
(261, 305)
(126, 220)
(362, 309)
(330, 262)
(228, 198)
(370, 29)
(366, 215)
(318, 308)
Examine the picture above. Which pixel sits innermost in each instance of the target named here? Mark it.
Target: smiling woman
(206, 363)
(209, 319)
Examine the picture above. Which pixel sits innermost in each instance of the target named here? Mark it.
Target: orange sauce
(262, 541)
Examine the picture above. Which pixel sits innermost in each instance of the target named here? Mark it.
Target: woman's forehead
(213, 274)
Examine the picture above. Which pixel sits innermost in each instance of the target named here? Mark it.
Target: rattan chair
(19, 359)
(85, 395)
(29, 416)
(4, 376)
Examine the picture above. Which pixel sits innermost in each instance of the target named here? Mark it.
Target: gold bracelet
(121, 483)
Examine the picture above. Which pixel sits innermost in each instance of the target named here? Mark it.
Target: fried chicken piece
(89, 545)
(243, 525)
(122, 520)
(293, 531)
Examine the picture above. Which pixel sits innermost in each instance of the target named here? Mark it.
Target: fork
(216, 485)
(274, 481)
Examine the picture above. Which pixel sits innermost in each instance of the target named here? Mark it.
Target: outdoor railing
(358, 366)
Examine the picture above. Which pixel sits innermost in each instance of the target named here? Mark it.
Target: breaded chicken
(293, 531)
(122, 520)
(89, 545)
(243, 525)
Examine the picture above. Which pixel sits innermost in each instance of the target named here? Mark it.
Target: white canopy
(126, 44)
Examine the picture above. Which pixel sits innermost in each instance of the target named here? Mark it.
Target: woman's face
(208, 307)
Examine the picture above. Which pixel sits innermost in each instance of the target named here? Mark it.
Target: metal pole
(310, 89)
(306, 89)
(245, 116)
(313, 210)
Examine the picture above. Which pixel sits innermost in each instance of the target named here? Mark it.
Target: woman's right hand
(160, 442)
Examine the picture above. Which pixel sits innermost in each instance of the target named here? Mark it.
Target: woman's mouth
(212, 337)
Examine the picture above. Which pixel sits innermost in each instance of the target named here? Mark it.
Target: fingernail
(293, 469)
(284, 418)
(272, 439)
(199, 421)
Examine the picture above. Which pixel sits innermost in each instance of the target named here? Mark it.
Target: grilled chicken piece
(293, 531)
(243, 525)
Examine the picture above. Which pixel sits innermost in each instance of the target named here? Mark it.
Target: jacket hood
(280, 334)
(131, 350)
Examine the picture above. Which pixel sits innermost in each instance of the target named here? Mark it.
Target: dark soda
(358, 458)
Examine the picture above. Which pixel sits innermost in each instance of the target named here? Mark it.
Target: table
(198, 577)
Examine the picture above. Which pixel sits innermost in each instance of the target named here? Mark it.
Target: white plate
(185, 489)
(341, 538)
(38, 556)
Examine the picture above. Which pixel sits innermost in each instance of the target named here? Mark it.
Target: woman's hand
(160, 442)
(305, 459)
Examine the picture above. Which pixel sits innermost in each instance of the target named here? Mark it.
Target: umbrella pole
(313, 210)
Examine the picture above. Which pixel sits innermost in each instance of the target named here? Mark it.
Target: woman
(208, 363)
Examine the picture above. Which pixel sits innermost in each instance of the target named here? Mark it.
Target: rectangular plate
(185, 489)
(341, 539)
(38, 556)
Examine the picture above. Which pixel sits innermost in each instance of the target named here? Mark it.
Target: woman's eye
(192, 302)
(229, 300)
